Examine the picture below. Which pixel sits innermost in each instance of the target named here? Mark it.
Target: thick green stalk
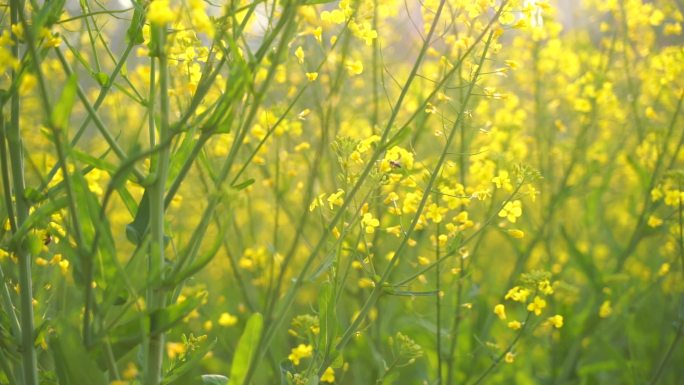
(438, 306)
(156, 294)
(28, 354)
(23, 255)
(7, 302)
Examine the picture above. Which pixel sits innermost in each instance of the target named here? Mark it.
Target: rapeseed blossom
(300, 352)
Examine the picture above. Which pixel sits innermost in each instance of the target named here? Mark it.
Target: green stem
(498, 359)
(6, 298)
(28, 353)
(155, 294)
(438, 305)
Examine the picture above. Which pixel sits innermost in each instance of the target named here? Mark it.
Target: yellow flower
(391, 198)
(27, 83)
(227, 319)
(656, 17)
(511, 211)
(515, 233)
(509, 358)
(300, 352)
(556, 321)
(246, 263)
(537, 305)
(64, 266)
(299, 53)
(394, 230)
(130, 372)
(435, 213)
(312, 76)
(512, 64)
(328, 375)
(515, 325)
(430, 108)
(200, 19)
(664, 269)
(605, 310)
(365, 283)
(500, 311)
(672, 29)
(302, 147)
(503, 181)
(354, 67)
(318, 201)
(545, 287)
(18, 31)
(518, 294)
(673, 197)
(318, 34)
(175, 349)
(160, 13)
(335, 199)
(395, 158)
(369, 223)
(336, 16)
(654, 221)
(423, 261)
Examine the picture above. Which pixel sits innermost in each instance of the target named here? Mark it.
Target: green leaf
(134, 34)
(176, 374)
(136, 229)
(244, 353)
(62, 110)
(243, 185)
(183, 153)
(74, 364)
(87, 207)
(214, 379)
